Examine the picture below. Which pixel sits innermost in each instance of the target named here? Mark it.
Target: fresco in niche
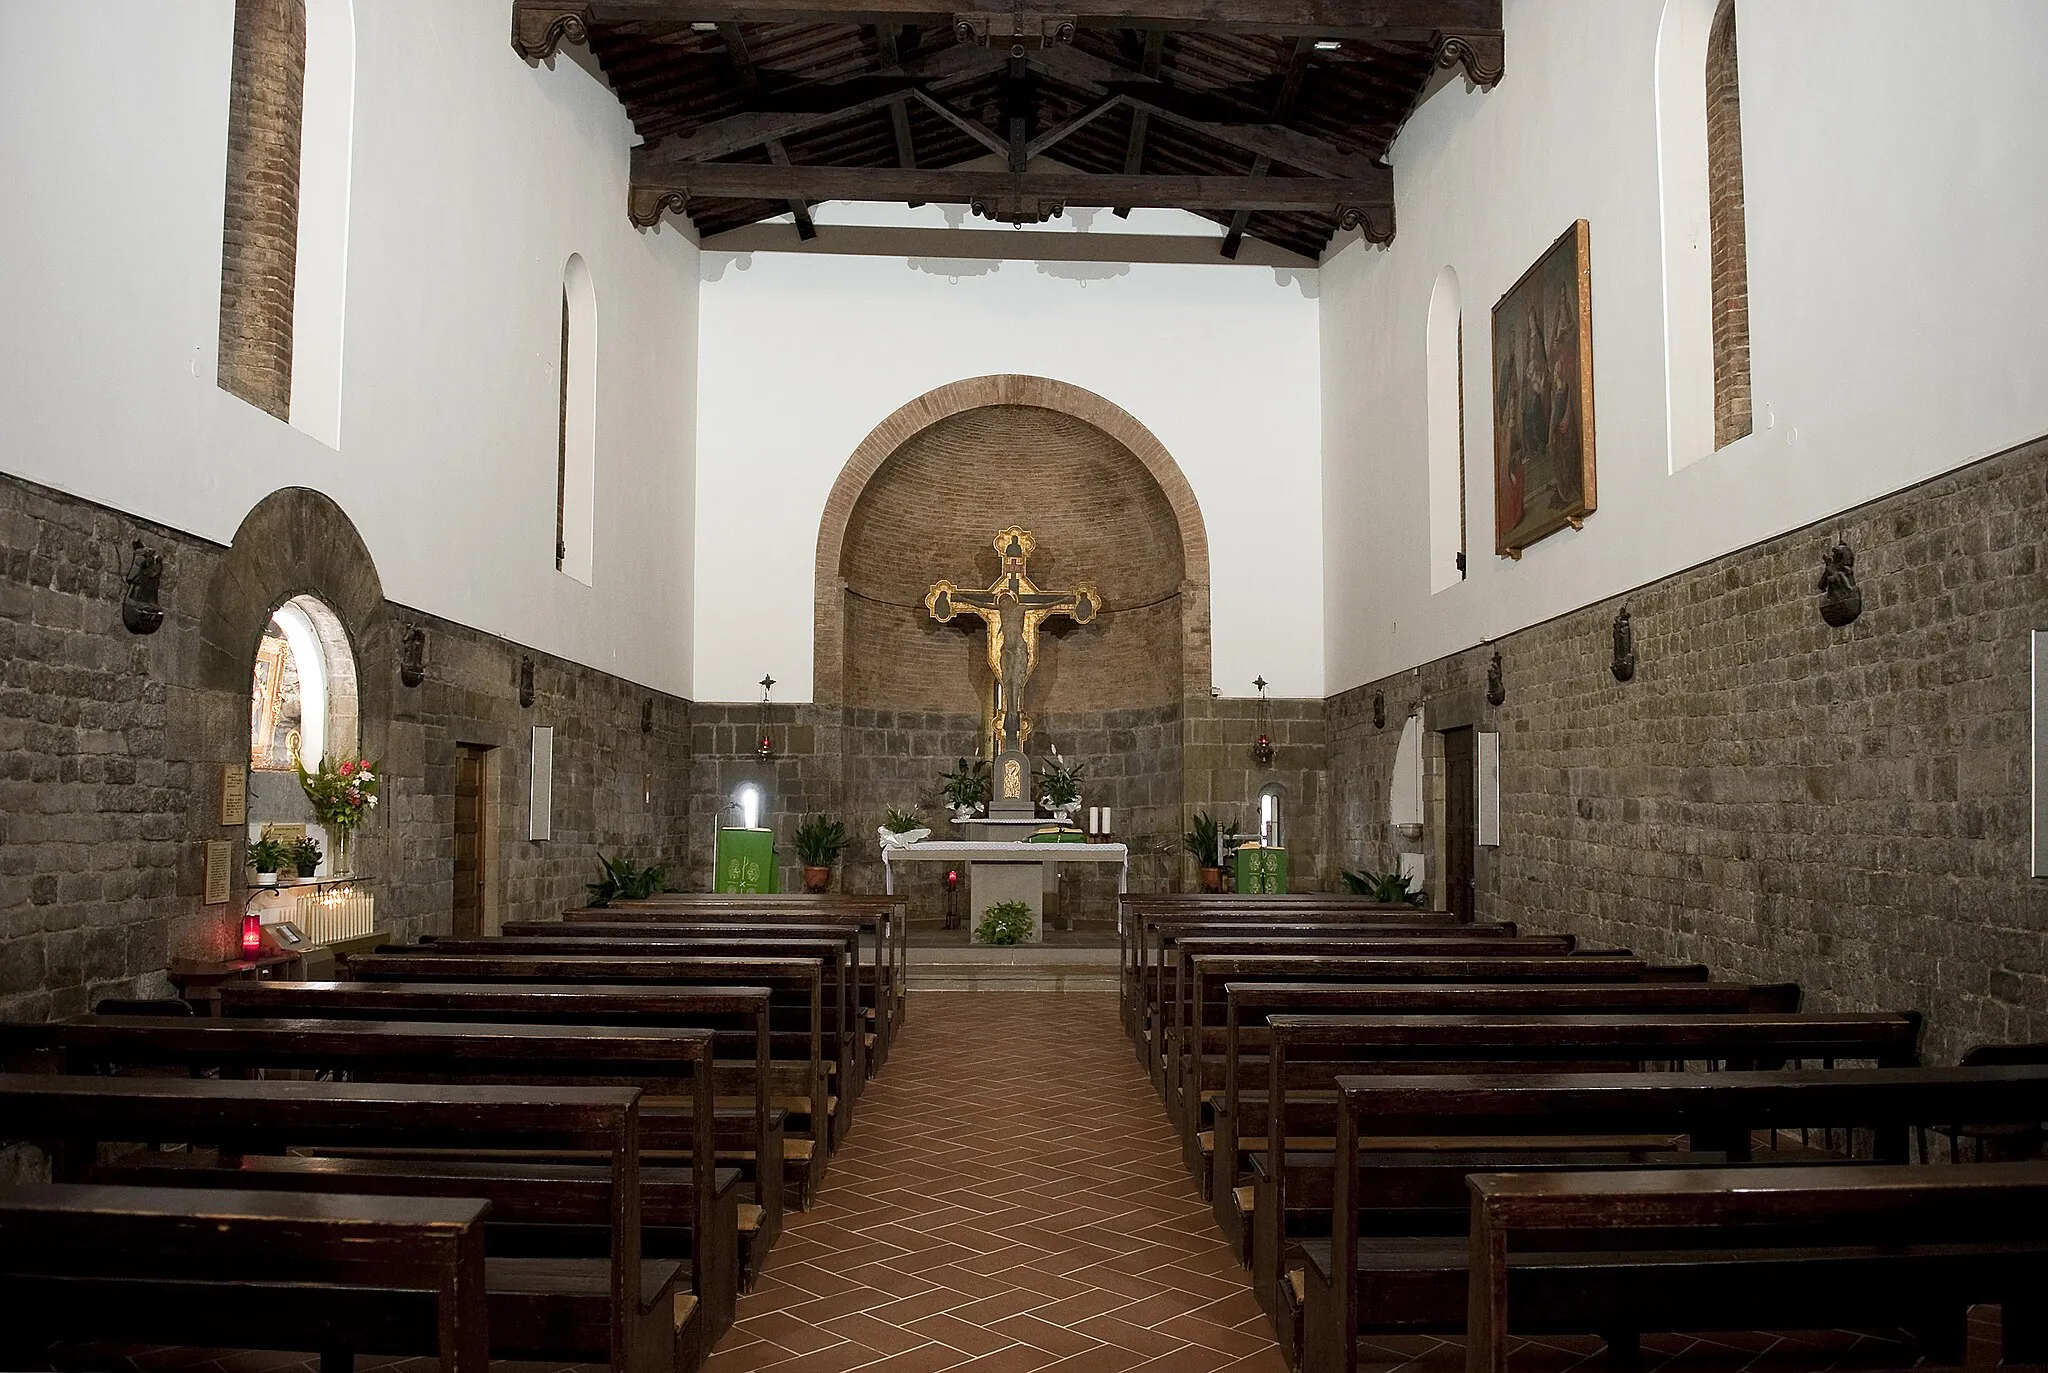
(1543, 397)
(274, 705)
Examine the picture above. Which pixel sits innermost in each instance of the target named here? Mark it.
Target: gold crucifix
(1013, 609)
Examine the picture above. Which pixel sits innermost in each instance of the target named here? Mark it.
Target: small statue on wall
(1624, 665)
(526, 682)
(141, 608)
(1841, 600)
(1496, 686)
(412, 655)
(1379, 710)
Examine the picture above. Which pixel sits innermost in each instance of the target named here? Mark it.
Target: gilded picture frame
(1543, 468)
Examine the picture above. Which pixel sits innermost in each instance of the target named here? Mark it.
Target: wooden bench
(871, 979)
(749, 1128)
(883, 918)
(691, 1213)
(800, 1079)
(1395, 1281)
(838, 996)
(1238, 1059)
(81, 1262)
(1181, 947)
(1293, 1175)
(1622, 1253)
(631, 1313)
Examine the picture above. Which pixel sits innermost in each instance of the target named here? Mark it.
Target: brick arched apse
(1109, 503)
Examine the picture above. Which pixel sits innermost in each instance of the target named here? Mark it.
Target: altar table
(1006, 870)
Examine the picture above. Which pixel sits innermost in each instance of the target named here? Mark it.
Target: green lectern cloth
(1261, 872)
(746, 861)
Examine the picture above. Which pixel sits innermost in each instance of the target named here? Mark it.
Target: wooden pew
(81, 1262)
(631, 1313)
(1396, 1283)
(871, 979)
(749, 1128)
(838, 996)
(885, 918)
(1180, 948)
(1141, 919)
(1238, 1061)
(799, 1065)
(1758, 1249)
(695, 1208)
(1292, 1176)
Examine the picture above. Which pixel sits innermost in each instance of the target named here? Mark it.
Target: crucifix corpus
(1013, 608)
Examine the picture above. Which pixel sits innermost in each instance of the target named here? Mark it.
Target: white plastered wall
(803, 355)
(1897, 287)
(471, 179)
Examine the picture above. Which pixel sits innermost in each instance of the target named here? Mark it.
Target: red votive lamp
(252, 934)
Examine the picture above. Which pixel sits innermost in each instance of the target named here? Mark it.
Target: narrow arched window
(576, 451)
(326, 157)
(1272, 815)
(1730, 240)
(1444, 348)
(259, 240)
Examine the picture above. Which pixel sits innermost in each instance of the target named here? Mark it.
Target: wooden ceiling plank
(967, 124)
(1384, 20)
(1054, 136)
(750, 80)
(661, 187)
(888, 48)
(1134, 150)
(1283, 109)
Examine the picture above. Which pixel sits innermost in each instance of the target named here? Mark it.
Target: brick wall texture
(111, 745)
(259, 244)
(931, 513)
(1846, 808)
(1727, 231)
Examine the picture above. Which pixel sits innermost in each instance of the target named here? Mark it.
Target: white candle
(1094, 819)
(1107, 828)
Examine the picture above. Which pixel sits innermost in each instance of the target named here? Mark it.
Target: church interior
(1293, 686)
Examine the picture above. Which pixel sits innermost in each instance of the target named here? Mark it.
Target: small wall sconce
(412, 655)
(1262, 747)
(141, 609)
(1841, 600)
(1624, 665)
(525, 682)
(766, 748)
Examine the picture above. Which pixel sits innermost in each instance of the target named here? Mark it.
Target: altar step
(1022, 968)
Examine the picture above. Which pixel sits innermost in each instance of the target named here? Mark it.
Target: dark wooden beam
(1386, 20)
(743, 66)
(965, 123)
(657, 187)
(887, 47)
(1052, 136)
(1283, 110)
(1134, 151)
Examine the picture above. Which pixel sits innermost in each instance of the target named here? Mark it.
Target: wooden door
(1461, 787)
(471, 768)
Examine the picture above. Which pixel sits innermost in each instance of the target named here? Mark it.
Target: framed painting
(1543, 397)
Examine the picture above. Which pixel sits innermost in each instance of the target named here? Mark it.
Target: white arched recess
(1688, 248)
(326, 159)
(1444, 355)
(579, 421)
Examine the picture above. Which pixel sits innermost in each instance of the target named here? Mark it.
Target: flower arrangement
(343, 794)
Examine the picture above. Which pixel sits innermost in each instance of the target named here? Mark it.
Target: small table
(1006, 870)
(199, 983)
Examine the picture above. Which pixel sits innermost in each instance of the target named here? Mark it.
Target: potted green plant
(902, 828)
(1062, 787)
(1205, 843)
(967, 787)
(1006, 922)
(819, 839)
(1391, 886)
(622, 881)
(266, 855)
(303, 856)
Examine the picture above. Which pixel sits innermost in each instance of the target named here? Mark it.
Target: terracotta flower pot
(1212, 879)
(817, 879)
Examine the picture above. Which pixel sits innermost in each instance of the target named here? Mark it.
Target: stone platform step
(1022, 968)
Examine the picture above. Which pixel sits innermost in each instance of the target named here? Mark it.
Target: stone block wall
(111, 746)
(1847, 808)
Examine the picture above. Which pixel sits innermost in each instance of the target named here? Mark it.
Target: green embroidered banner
(746, 861)
(1261, 872)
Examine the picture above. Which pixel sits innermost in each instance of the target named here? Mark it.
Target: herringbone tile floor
(1011, 1199)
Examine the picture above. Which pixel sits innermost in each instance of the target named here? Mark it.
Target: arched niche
(1124, 487)
(302, 689)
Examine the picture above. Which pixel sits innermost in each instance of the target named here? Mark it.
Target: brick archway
(829, 586)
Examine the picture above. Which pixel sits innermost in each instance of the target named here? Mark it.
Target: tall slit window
(1444, 349)
(1729, 235)
(576, 438)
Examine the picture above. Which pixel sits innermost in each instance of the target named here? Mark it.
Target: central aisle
(1011, 1198)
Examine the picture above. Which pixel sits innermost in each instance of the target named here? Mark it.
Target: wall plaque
(540, 823)
(234, 794)
(220, 857)
(1488, 791)
(2041, 753)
